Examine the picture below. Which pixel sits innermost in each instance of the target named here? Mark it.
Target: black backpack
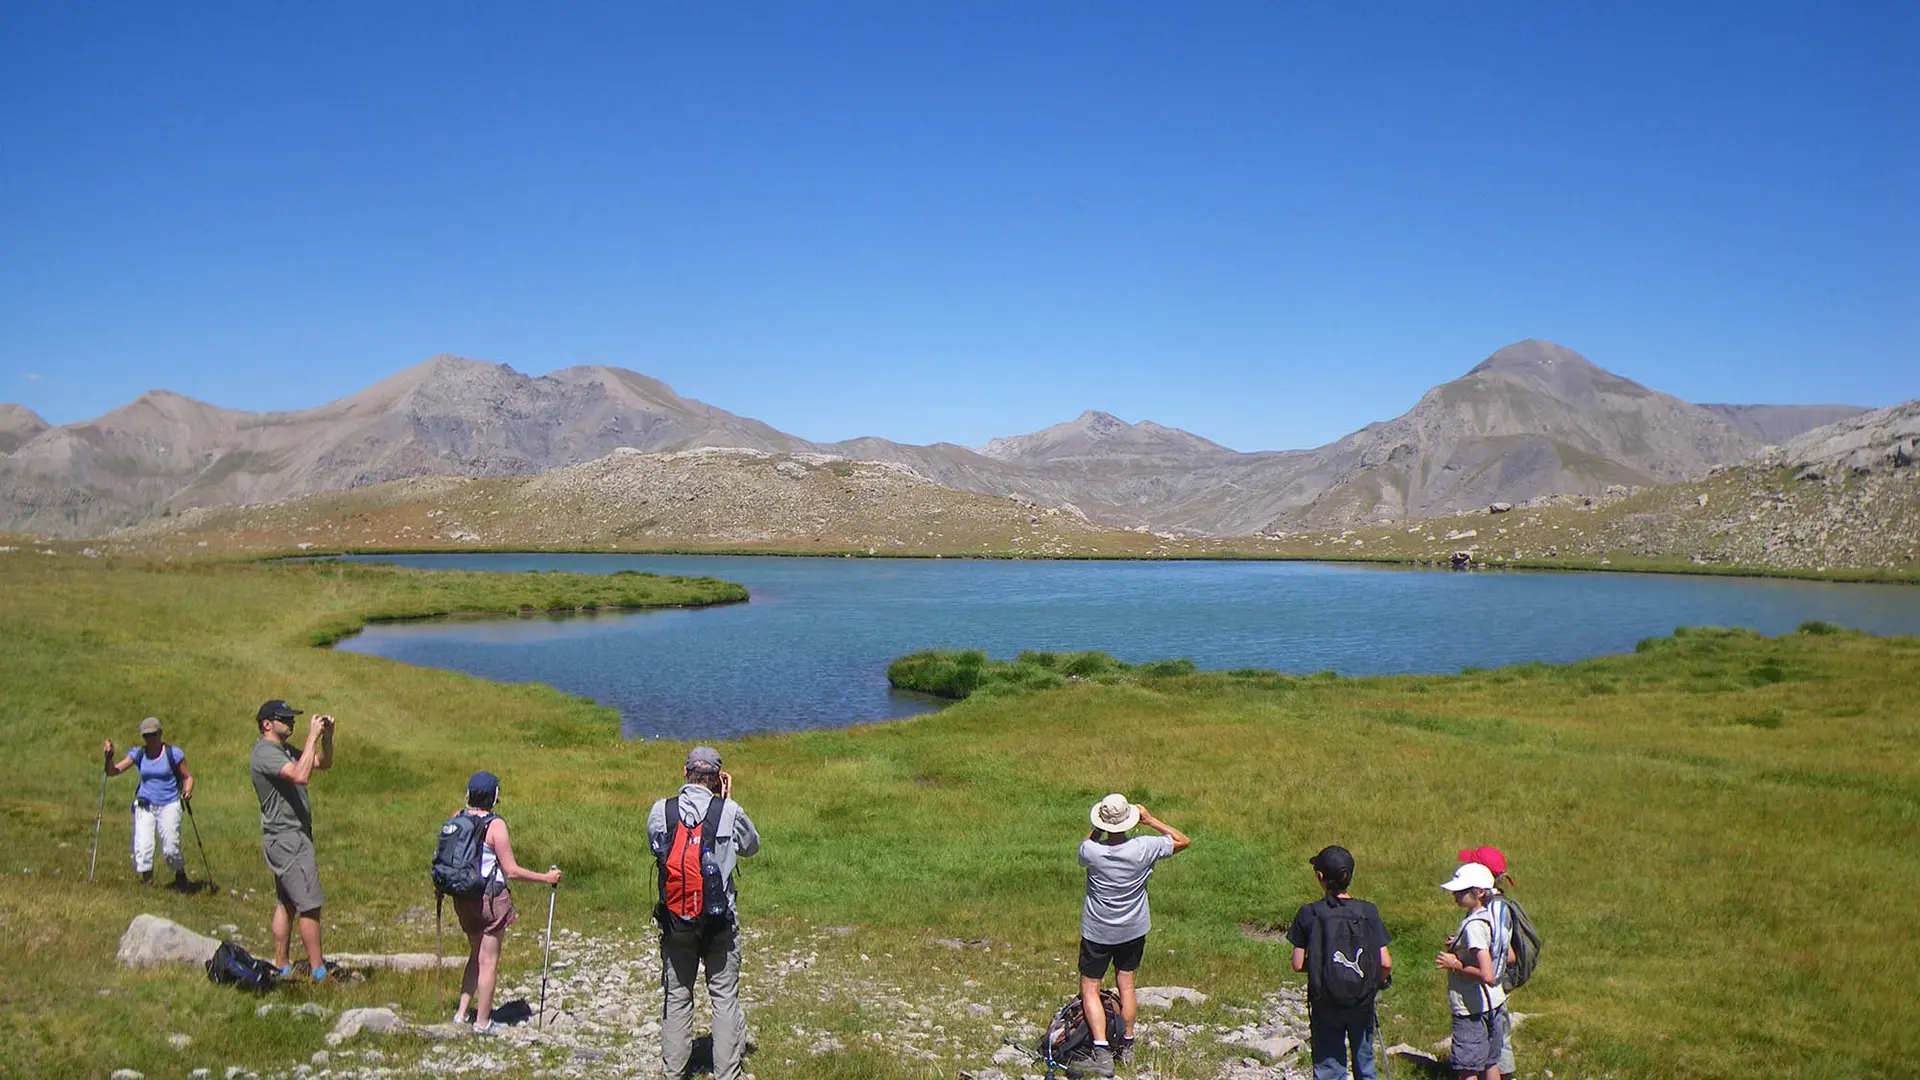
(456, 859)
(1068, 1035)
(1526, 946)
(233, 966)
(1343, 957)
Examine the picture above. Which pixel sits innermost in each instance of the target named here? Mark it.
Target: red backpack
(692, 892)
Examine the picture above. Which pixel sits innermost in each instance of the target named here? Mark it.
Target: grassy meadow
(1717, 834)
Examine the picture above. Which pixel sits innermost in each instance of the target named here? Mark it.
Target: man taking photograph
(280, 774)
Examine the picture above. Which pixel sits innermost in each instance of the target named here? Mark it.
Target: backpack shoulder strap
(710, 831)
(671, 807)
(486, 822)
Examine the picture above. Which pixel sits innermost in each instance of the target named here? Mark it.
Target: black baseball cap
(275, 710)
(1333, 861)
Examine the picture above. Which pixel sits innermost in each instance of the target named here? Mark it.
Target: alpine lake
(811, 648)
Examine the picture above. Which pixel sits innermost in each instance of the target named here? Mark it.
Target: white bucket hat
(1114, 814)
(1470, 876)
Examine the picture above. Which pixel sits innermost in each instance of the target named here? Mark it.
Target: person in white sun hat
(1115, 921)
(1473, 988)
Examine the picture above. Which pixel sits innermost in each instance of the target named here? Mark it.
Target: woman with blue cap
(485, 916)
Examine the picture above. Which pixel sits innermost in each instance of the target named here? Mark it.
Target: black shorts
(1094, 957)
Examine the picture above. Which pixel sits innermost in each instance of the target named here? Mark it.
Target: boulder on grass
(151, 940)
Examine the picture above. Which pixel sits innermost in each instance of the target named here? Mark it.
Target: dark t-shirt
(1300, 934)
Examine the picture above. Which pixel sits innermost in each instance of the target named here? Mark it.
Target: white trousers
(167, 819)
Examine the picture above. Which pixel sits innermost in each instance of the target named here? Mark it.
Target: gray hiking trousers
(681, 956)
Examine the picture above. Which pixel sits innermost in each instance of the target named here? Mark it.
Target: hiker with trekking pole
(1341, 945)
(165, 786)
(473, 863)
(698, 836)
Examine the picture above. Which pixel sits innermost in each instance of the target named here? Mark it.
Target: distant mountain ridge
(17, 425)
(1533, 418)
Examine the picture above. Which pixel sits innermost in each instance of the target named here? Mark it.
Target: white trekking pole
(98, 812)
(546, 957)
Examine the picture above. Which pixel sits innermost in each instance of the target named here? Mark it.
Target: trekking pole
(199, 843)
(98, 812)
(439, 969)
(547, 953)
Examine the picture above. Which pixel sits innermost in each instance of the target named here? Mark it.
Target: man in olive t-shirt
(280, 776)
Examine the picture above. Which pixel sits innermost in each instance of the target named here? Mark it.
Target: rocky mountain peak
(1101, 425)
(1533, 356)
(18, 424)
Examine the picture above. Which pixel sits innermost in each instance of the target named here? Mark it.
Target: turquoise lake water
(812, 646)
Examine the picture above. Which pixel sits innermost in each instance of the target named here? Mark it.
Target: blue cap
(483, 783)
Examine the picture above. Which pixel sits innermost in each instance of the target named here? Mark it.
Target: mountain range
(1532, 419)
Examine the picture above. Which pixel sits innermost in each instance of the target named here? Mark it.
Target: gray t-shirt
(1117, 874)
(283, 803)
(1465, 995)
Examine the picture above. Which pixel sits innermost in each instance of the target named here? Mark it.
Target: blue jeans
(1332, 1032)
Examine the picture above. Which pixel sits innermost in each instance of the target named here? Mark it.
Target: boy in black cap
(1341, 944)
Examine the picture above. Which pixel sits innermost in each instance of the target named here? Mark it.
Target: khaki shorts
(296, 876)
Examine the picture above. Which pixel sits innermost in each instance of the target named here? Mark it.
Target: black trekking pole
(547, 953)
(201, 844)
(98, 812)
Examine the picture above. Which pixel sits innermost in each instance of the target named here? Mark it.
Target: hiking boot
(1100, 1061)
(181, 882)
(1123, 1048)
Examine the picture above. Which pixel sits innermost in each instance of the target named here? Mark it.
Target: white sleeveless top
(489, 864)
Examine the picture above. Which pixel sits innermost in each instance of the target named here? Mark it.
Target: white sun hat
(1470, 876)
(1114, 814)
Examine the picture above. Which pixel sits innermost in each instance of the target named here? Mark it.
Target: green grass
(1715, 833)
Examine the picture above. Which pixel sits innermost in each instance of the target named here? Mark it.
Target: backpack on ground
(1343, 959)
(693, 894)
(1525, 942)
(232, 965)
(456, 858)
(1068, 1035)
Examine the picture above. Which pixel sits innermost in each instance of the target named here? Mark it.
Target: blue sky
(1265, 223)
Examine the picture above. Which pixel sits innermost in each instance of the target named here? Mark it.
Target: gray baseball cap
(703, 759)
(150, 726)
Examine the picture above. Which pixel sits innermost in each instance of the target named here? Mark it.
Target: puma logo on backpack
(1343, 962)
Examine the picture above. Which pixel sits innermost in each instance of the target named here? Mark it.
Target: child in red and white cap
(1502, 912)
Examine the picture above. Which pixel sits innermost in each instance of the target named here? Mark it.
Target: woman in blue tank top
(165, 784)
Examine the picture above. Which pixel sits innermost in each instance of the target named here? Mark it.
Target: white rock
(200, 1074)
(127, 1074)
(151, 940)
(179, 1041)
(380, 1021)
(1162, 997)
